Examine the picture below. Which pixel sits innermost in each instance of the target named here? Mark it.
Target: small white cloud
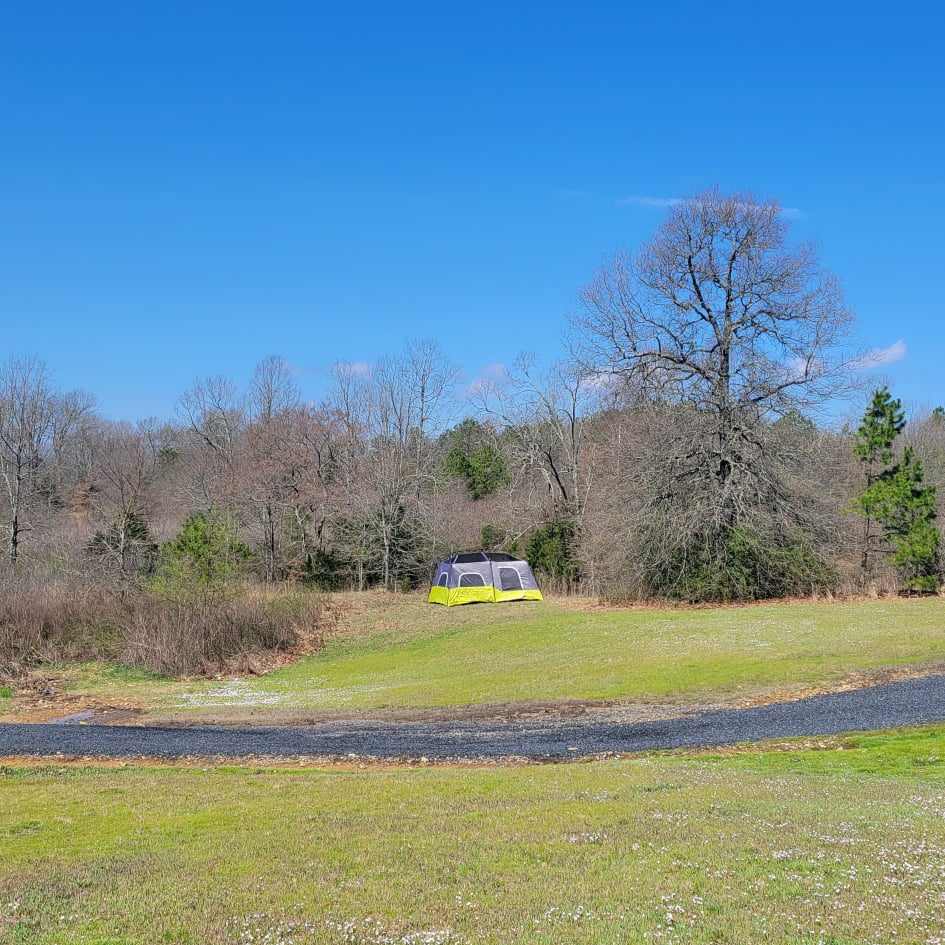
(357, 368)
(489, 376)
(877, 357)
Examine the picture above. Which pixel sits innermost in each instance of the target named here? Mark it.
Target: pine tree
(905, 507)
(883, 421)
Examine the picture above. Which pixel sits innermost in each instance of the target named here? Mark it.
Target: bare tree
(126, 466)
(719, 318)
(214, 416)
(719, 314)
(35, 423)
(542, 415)
(432, 378)
(389, 416)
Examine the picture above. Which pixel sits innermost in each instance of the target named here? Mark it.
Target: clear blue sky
(189, 188)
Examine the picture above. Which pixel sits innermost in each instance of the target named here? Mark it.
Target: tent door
(509, 579)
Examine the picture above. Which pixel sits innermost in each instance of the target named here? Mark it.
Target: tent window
(509, 579)
(471, 580)
(499, 556)
(443, 579)
(470, 558)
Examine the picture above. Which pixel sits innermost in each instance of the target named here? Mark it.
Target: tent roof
(471, 557)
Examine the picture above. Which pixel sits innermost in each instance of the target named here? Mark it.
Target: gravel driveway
(909, 702)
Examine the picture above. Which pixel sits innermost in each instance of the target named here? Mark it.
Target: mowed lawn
(396, 651)
(547, 651)
(844, 844)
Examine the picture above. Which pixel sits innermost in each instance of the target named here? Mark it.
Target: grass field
(396, 651)
(839, 845)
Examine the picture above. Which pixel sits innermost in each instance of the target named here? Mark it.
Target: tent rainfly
(482, 576)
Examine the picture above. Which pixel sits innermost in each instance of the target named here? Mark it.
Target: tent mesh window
(471, 580)
(443, 579)
(509, 579)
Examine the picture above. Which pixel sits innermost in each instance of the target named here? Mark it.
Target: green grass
(845, 845)
(399, 652)
(542, 652)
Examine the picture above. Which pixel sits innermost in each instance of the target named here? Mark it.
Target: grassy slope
(400, 652)
(839, 846)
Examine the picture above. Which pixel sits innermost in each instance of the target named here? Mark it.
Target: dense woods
(683, 449)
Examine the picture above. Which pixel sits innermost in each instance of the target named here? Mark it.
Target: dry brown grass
(197, 635)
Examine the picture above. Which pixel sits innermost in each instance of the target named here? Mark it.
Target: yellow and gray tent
(482, 577)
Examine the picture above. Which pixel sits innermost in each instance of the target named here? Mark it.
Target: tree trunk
(270, 546)
(14, 547)
(727, 513)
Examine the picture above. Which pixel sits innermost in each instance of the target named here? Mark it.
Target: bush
(206, 555)
(741, 565)
(41, 623)
(551, 551)
(45, 622)
(205, 635)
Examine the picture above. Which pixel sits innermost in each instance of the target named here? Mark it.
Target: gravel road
(909, 702)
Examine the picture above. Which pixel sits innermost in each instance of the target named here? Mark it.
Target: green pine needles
(897, 499)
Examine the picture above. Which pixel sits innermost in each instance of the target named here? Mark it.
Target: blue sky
(190, 187)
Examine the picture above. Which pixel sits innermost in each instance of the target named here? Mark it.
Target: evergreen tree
(476, 460)
(905, 507)
(551, 550)
(882, 423)
(206, 555)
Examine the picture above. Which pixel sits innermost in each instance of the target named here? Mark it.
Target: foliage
(552, 550)
(897, 497)
(205, 555)
(741, 565)
(794, 422)
(883, 421)
(49, 623)
(900, 501)
(475, 460)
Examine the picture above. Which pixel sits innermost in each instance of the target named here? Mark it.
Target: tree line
(680, 450)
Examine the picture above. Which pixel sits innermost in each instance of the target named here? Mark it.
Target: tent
(482, 576)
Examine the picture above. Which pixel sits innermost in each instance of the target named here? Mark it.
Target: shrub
(497, 538)
(741, 565)
(41, 623)
(178, 637)
(206, 554)
(551, 551)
